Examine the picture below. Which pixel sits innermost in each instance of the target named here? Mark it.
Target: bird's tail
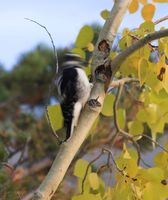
(67, 111)
(71, 114)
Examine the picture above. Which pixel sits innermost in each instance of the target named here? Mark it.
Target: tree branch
(88, 116)
(52, 42)
(118, 60)
(118, 83)
(161, 20)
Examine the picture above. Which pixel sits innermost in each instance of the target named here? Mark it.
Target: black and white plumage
(73, 90)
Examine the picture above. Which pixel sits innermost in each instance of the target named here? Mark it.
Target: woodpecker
(73, 90)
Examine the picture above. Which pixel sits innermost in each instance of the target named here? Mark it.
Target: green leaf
(148, 114)
(166, 50)
(155, 191)
(161, 160)
(107, 109)
(84, 37)
(142, 70)
(121, 117)
(147, 27)
(105, 14)
(145, 52)
(56, 117)
(90, 47)
(135, 127)
(81, 167)
(152, 174)
(94, 181)
(86, 185)
(80, 52)
(157, 127)
(142, 116)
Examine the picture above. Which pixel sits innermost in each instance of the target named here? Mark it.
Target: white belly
(84, 87)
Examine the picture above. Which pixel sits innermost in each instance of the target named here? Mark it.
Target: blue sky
(63, 18)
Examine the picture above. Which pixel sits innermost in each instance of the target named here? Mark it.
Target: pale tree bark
(88, 116)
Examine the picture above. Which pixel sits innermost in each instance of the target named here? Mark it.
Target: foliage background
(27, 146)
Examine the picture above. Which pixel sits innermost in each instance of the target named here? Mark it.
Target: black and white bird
(73, 90)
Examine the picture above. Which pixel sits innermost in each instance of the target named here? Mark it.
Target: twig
(87, 169)
(152, 47)
(7, 165)
(153, 141)
(161, 20)
(105, 165)
(22, 153)
(112, 157)
(53, 45)
(146, 164)
(116, 105)
(117, 83)
(119, 130)
(110, 154)
(52, 84)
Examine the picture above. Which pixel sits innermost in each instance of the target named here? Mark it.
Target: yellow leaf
(132, 168)
(143, 68)
(145, 52)
(126, 154)
(121, 117)
(94, 181)
(55, 116)
(107, 109)
(133, 6)
(86, 197)
(153, 82)
(128, 161)
(160, 1)
(84, 37)
(143, 1)
(155, 191)
(147, 27)
(161, 160)
(161, 46)
(90, 47)
(123, 43)
(166, 50)
(105, 14)
(152, 112)
(135, 127)
(154, 174)
(81, 167)
(148, 12)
